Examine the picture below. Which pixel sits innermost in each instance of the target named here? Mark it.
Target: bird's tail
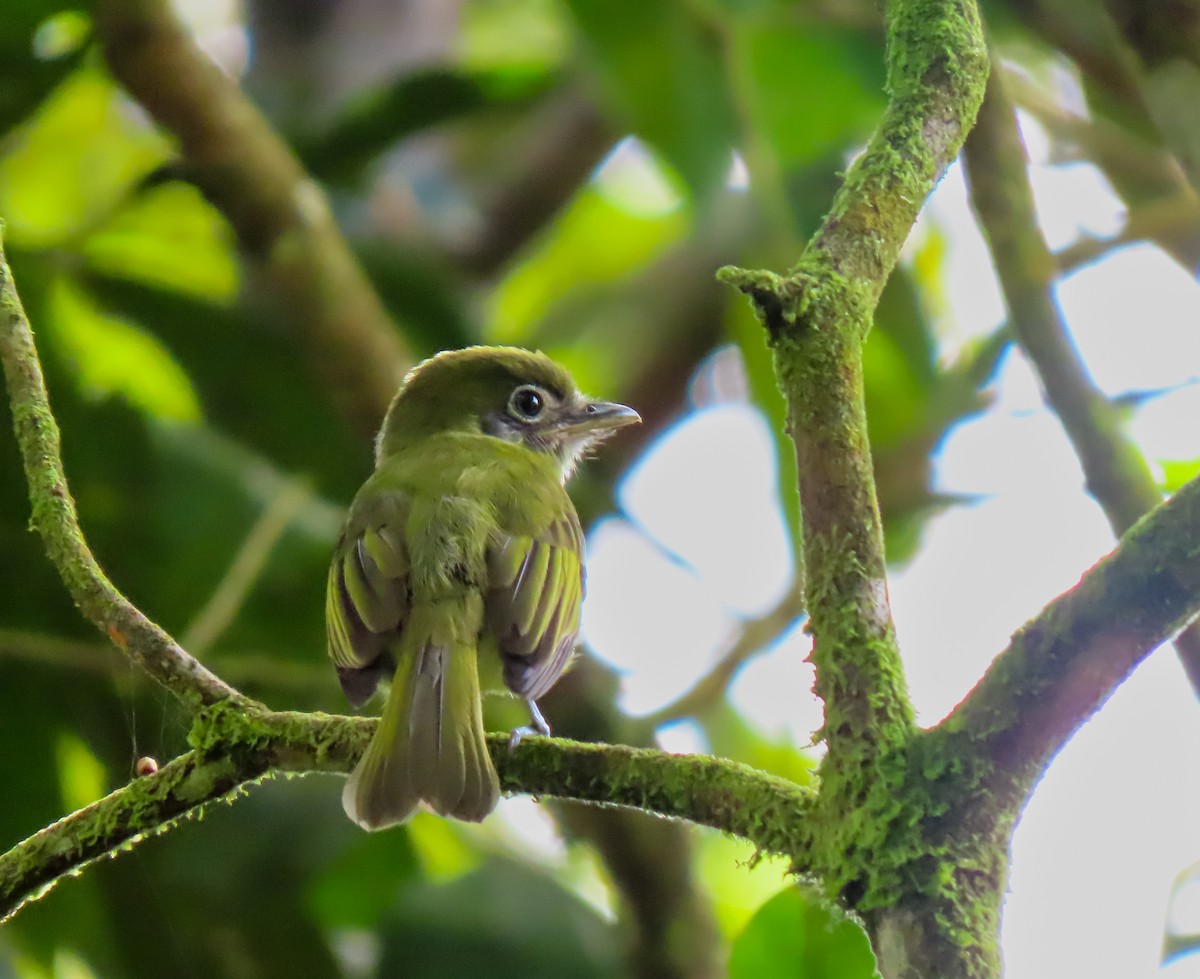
(429, 745)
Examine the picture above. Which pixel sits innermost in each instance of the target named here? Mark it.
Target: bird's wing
(366, 598)
(535, 590)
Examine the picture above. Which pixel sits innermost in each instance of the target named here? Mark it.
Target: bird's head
(520, 396)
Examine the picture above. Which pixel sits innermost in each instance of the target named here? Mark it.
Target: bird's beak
(597, 419)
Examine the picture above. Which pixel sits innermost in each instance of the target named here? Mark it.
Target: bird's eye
(527, 402)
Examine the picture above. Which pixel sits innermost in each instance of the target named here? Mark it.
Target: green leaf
(168, 236)
(74, 161)
(595, 243)
(40, 44)
(113, 357)
(662, 69)
(382, 117)
(799, 936)
(503, 920)
(751, 340)
(522, 33)
(251, 379)
(808, 88)
(357, 888)
(1176, 472)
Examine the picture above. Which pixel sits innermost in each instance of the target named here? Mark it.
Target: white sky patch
(1109, 827)
(636, 180)
(683, 738)
(1018, 453)
(1136, 319)
(984, 570)
(1075, 201)
(719, 461)
(974, 305)
(1168, 427)
(1184, 968)
(773, 691)
(654, 621)
(739, 173)
(707, 547)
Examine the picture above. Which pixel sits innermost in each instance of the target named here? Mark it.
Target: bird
(462, 549)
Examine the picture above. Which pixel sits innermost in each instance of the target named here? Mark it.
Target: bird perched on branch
(462, 549)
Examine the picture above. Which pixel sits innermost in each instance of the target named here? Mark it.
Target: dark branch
(280, 215)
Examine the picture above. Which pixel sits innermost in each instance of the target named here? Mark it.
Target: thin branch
(1164, 39)
(231, 592)
(1085, 33)
(557, 156)
(280, 215)
(1064, 664)
(1113, 148)
(751, 638)
(1117, 474)
(236, 667)
(817, 317)
(1163, 206)
(235, 747)
(1162, 221)
(54, 517)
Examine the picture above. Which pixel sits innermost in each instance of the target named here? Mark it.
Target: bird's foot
(538, 725)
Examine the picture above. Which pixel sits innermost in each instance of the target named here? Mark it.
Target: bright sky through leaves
(1099, 847)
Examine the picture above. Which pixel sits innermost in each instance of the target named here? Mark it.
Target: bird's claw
(538, 725)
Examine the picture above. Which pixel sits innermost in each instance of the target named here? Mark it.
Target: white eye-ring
(527, 402)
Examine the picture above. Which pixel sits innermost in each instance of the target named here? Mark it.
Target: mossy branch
(1062, 665)
(1117, 474)
(279, 214)
(234, 747)
(55, 519)
(817, 317)
(237, 741)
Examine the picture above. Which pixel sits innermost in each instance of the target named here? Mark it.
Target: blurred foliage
(793, 937)
(188, 407)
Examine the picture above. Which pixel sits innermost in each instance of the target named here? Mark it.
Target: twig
(569, 141)
(237, 667)
(1116, 472)
(1111, 147)
(1063, 665)
(279, 214)
(751, 638)
(1166, 220)
(223, 605)
(55, 519)
(234, 748)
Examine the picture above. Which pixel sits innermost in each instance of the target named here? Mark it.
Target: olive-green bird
(462, 545)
